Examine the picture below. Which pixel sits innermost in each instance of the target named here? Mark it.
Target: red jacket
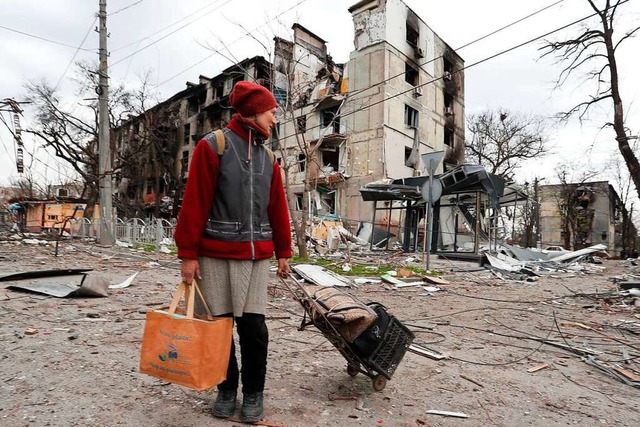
(196, 206)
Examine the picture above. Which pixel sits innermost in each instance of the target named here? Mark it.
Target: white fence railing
(134, 231)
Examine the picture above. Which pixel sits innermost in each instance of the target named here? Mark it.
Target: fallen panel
(523, 254)
(579, 253)
(320, 275)
(504, 262)
(66, 286)
(126, 283)
(43, 273)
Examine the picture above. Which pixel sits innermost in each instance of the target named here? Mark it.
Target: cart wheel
(352, 370)
(379, 382)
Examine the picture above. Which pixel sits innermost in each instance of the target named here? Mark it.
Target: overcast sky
(169, 39)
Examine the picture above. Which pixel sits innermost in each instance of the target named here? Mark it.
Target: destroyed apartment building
(578, 215)
(342, 126)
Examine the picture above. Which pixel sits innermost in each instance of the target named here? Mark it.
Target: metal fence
(134, 231)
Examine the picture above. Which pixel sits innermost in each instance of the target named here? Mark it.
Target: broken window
(330, 117)
(185, 162)
(280, 95)
(448, 105)
(299, 201)
(327, 201)
(412, 35)
(275, 134)
(219, 91)
(237, 78)
(407, 153)
(410, 116)
(192, 106)
(447, 67)
(330, 158)
(448, 137)
(215, 118)
(301, 124)
(302, 161)
(411, 74)
(186, 138)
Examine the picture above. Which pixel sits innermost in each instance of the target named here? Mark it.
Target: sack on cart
(372, 337)
(349, 316)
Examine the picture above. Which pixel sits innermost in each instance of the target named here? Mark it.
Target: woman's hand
(283, 268)
(190, 269)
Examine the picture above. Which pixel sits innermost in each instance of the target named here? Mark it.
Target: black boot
(252, 409)
(225, 404)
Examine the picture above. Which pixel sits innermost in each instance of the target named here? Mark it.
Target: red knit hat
(249, 99)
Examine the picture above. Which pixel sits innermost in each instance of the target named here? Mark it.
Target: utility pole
(107, 236)
(536, 184)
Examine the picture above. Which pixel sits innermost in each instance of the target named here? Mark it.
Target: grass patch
(148, 247)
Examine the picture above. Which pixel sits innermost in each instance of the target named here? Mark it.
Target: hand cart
(380, 363)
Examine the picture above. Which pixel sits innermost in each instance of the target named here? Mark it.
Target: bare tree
(25, 187)
(623, 184)
(71, 130)
(501, 140)
(594, 51)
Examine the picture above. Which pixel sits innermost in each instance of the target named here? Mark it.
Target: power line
(168, 34)
(45, 39)
(236, 40)
(463, 46)
(435, 79)
(125, 8)
(164, 28)
(75, 54)
(2, 140)
(396, 76)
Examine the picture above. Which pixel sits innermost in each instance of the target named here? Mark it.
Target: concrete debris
(511, 260)
(320, 276)
(126, 283)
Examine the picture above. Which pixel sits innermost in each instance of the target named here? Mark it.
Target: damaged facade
(152, 184)
(579, 215)
(406, 98)
(401, 94)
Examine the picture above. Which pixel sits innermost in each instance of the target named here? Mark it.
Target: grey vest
(239, 211)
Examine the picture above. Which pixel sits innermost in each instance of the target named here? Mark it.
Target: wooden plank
(627, 374)
(448, 413)
(538, 368)
(436, 280)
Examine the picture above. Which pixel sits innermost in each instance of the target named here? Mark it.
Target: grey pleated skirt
(234, 286)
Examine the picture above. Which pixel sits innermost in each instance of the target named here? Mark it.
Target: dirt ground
(74, 361)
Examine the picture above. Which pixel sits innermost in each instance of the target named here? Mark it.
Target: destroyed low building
(152, 184)
(578, 215)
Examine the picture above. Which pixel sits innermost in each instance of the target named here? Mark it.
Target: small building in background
(579, 215)
(43, 215)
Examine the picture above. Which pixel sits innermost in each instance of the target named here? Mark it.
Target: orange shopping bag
(192, 351)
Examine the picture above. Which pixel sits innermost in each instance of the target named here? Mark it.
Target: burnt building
(579, 215)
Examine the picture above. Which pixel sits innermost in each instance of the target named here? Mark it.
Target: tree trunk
(618, 113)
